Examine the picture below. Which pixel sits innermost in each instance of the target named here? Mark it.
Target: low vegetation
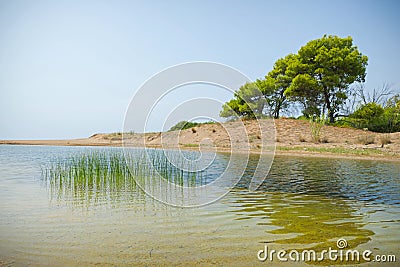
(339, 150)
(315, 129)
(183, 125)
(385, 140)
(366, 139)
(190, 145)
(376, 117)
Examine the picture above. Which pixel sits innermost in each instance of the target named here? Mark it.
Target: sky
(69, 69)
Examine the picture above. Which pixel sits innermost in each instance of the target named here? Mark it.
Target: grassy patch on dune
(190, 145)
(340, 150)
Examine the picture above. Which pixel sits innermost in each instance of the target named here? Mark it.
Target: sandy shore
(292, 137)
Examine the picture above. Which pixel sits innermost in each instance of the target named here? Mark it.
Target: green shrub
(303, 118)
(182, 125)
(368, 111)
(375, 117)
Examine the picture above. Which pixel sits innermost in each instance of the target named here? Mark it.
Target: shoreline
(279, 151)
(289, 136)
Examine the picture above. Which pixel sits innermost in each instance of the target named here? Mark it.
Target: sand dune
(292, 137)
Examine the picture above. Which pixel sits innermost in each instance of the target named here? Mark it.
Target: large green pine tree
(326, 69)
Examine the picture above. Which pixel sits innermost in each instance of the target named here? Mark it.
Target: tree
(325, 69)
(248, 103)
(275, 84)
(231, 109)
(307, 94)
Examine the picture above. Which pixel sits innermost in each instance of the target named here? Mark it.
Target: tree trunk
(277, 110)
(329, 107)
(331, 117)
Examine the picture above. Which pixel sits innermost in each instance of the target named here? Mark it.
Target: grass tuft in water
(105, 175)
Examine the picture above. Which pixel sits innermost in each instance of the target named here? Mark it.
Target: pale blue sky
(69, 69)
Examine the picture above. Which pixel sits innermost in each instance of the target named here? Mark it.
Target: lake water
(304, 203)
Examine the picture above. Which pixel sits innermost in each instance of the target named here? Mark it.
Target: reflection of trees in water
(317, 220)
(303, 221)
(311, 202)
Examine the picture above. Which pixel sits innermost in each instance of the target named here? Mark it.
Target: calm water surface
(303, 203)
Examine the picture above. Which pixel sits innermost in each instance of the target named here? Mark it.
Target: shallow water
(303, 203)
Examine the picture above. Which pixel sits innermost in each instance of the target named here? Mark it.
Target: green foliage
(326, 68)
(182, 125)
(375, 117)
(275, 84)
(231, 109)
(248, 103)
(318, 77)
(368, 111)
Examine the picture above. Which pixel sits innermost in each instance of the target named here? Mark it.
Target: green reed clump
(98, 175)
(90, 176)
